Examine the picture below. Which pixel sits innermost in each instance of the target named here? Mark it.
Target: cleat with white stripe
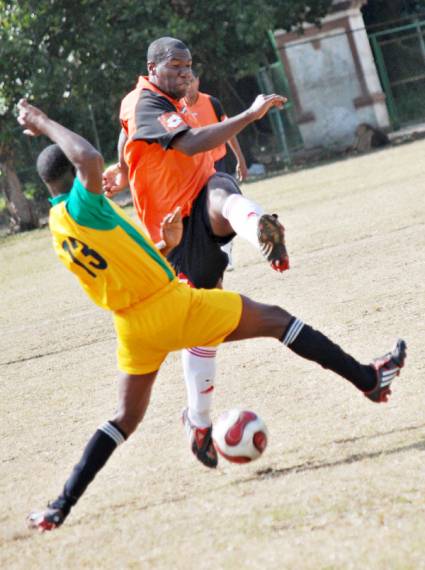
(200, 440)
(271, 237)
(387, 369)
(43, 521)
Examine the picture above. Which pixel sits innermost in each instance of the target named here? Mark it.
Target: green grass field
(341, 485)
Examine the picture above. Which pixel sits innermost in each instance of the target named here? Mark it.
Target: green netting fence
(400, 57)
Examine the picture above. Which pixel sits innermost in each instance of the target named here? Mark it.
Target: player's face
(174, 74)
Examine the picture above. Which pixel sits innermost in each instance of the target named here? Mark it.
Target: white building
(333, 78)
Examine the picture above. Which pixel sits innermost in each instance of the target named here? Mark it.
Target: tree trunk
(23, 216)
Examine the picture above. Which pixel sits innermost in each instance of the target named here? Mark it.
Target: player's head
(170, 66)
(55, 170)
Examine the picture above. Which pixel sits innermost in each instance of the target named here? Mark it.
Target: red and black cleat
(271, 236)
(200, 441)
(46, 520)
(387, 367)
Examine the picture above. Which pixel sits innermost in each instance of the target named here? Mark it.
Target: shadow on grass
(389, 432)
(271, 473)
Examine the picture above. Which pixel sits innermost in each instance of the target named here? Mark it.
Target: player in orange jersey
(165, 156)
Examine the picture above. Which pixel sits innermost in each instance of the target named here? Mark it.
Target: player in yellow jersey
(154, 313)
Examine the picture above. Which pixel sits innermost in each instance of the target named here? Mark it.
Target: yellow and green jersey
(116, 263)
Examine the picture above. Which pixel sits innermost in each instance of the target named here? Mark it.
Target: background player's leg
(133, 399)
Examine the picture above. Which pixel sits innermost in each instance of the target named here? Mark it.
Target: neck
(191, 100)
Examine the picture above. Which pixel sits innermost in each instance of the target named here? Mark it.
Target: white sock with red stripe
(243, 216)
(199, 373)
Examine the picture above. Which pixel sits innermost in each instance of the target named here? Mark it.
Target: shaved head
(52, 164)
(163, 48)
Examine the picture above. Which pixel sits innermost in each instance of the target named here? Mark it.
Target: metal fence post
(382, 70)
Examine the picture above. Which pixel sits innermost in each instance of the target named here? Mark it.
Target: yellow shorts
(175, 318)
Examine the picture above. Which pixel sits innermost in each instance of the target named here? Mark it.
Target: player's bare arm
(115, 177)
(241, 167)
(202, 139)
(86, 159)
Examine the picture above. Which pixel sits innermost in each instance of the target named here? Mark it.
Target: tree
(77, 59)
(54, 53)
(382, 11)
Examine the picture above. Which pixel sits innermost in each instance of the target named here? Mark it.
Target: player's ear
(151, 68)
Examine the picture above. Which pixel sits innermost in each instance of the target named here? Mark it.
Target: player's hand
(263, 103)
(31, 118)
(241, 170)
(172, 229)
(114, 180)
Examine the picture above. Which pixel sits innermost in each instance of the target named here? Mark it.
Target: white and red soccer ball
(240, 436)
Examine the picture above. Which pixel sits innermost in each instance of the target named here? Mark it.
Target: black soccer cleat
(271, 236)
(49, 519)
(387, 367)
(200, 441)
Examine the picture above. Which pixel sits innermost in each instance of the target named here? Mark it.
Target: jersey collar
(58, 199)
(144, 83)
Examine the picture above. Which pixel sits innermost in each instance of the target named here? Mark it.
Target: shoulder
(214, 100)
(218, 107)
(129, 102)
(149, 100)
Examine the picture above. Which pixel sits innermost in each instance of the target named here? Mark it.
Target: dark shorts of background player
(220, 165)
(199, 256)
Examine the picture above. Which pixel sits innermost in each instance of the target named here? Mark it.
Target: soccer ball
(240, 436)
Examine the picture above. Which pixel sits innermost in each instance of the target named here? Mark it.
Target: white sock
(243, 217)
(199, 365)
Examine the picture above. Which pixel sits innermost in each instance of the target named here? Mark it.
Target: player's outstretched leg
(229, 210)
(97, 452)
(373, 380)
(263, 231)
(134, 396)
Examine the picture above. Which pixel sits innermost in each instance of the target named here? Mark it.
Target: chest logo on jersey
(171, 121)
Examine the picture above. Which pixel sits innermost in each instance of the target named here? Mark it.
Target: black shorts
(199, 256)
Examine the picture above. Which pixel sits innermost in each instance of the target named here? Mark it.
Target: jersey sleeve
(157, 120)
(89, 209)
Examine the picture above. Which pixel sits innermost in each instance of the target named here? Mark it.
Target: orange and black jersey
(161, 178)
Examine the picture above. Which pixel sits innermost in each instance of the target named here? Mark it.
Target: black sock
(313, 345)
(97, 452)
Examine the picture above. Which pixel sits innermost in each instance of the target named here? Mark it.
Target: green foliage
(378, 12)
(76, 60)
